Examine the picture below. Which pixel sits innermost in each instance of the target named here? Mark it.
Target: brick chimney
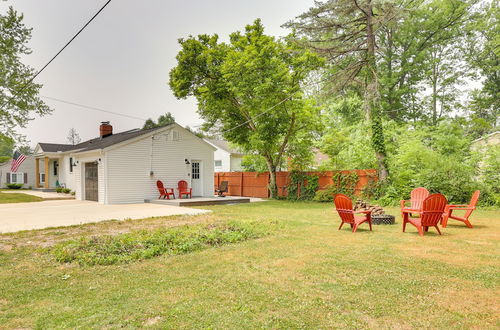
(105, 129)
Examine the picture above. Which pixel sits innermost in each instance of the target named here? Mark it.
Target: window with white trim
(218, 163)
(17, 177)
(42, 177)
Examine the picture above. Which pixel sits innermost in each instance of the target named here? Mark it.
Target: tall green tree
(250, 90)
(19, 100)
(345, 32)
(421, 58)
(7, 145)
(484, 55)
(163, 120)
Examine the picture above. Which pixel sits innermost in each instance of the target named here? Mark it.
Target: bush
(108, 250)
(14, 185)
(66, 190)
(59, 189)
(325, 195)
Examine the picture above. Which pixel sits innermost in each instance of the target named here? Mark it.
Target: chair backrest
(223, 186)
(159, 185)
(417, 196)
(343, 204)
(432, 209)
(473, 203)
(182, 185)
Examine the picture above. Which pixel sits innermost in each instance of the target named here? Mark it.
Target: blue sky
(121, 61)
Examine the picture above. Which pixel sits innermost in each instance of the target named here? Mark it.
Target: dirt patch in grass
(51, 236)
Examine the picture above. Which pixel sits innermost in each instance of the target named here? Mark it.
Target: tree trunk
(372, 104)
(273, 188)
(434, 95)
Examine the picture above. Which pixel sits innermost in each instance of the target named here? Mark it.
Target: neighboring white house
(124, 167)
(488, 140)
(226, 159)
(24, 175)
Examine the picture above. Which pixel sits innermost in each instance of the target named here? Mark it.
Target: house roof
(486, 136)
(224, 145)
(98, 143)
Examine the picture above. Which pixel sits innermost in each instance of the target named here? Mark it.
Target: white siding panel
(129, 166)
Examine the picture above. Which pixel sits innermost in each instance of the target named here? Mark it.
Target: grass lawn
(17, 197)
(305, 274)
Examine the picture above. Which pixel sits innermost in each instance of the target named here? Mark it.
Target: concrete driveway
(25, 216)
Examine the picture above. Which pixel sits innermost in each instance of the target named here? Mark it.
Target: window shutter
(25, 178)
(8, 178)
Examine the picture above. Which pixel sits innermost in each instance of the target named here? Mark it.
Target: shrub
(66, 190)
(14, 185)
(59, 189)
(325, 195)
(107, 249)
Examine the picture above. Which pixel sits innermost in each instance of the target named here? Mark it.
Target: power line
(91, 107)
(57, 54)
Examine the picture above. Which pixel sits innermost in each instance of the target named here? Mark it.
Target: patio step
(199, 201)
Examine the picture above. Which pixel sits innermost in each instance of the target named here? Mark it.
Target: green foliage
(343, 184)
(163, 120)
(254, 163)
(144, 244)
(306, 183)
(14, 185)
(63, 190)
(7, 145)
(250, 90)
(16, 111)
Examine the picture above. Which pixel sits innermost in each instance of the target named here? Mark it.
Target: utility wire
(91, 108)
(54, 57)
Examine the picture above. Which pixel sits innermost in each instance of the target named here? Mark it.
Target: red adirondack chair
(417, 196)
(431, 214)
(164, 192)
(343, 204)
(467, 208)
(182, 186)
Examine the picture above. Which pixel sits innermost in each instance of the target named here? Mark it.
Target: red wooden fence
(254, 184)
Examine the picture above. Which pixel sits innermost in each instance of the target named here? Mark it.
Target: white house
(124, 167)
(226, 159)
(484, 142)
(24, 175)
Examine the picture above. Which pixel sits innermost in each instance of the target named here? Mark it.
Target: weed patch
(123, 248)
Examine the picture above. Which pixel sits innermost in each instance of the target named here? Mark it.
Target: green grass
(146, 244)
(305, 274)
(18, 198)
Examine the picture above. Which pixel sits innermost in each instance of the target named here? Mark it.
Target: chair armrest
(366, 212)
(458, 205)
(461, 208)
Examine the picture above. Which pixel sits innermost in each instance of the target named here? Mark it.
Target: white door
(196, 178)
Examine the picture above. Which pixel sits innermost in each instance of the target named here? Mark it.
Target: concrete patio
(26, 216)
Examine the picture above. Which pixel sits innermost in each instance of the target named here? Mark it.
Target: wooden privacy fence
(254, 184)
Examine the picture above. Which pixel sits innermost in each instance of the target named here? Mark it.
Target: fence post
(241, 184)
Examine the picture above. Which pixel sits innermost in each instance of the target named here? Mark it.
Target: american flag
(17, 160)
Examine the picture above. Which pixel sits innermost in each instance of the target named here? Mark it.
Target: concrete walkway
(42, 194)
(26, 216)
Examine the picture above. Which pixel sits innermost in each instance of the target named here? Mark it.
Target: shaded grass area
(18, 198)
(146, 244)
(307, 274)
